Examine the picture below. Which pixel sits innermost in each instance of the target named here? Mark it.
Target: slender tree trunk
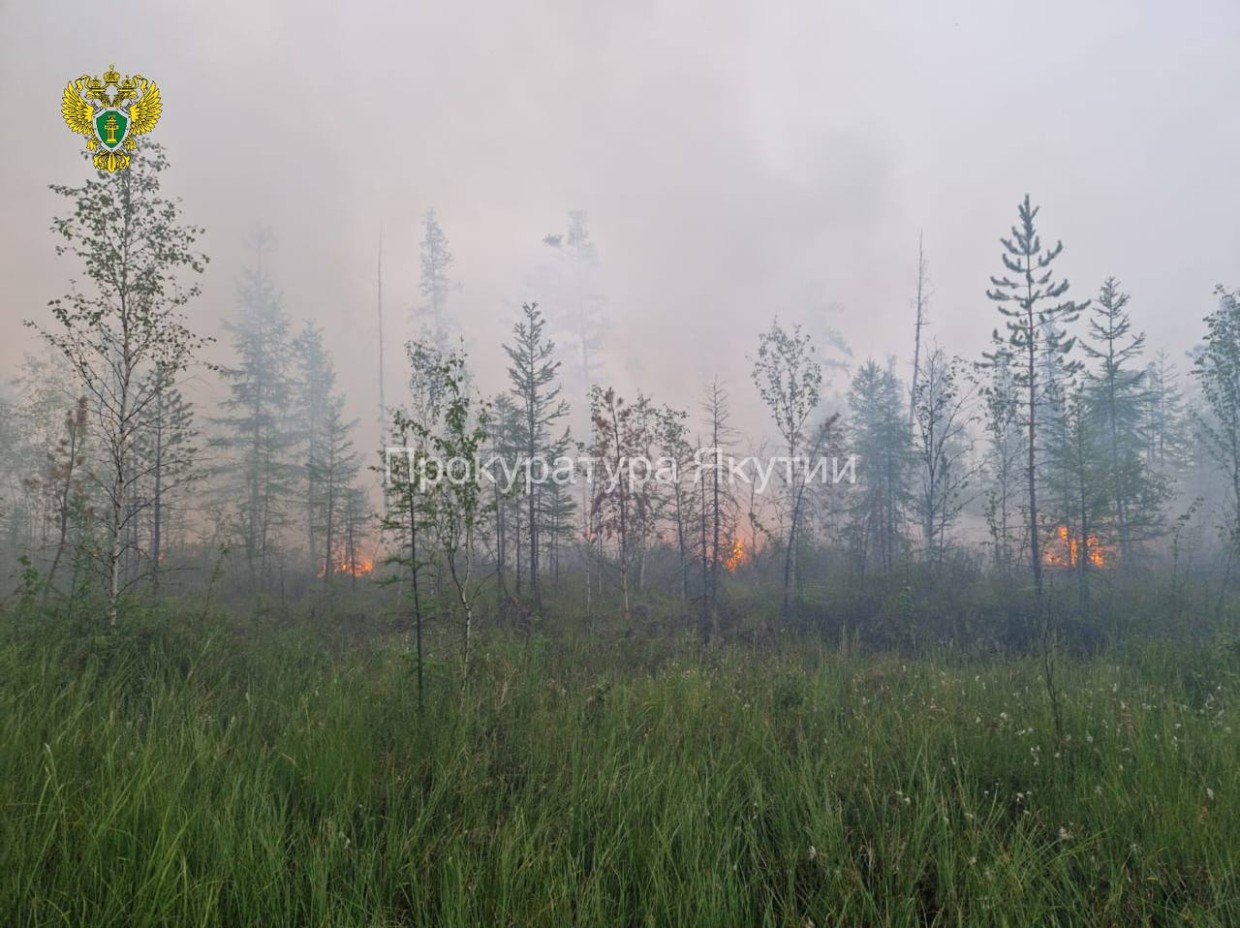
(716, 530)
(157, 515)
(917, 327)
(461, 581)
(707, 608)
(329, 537)
(624, 555)
(518, 547)
(790, 561)
(681, 544)
(790, 566)
(383, 418)
(1121, 505)
(1035, 551)
(587, 516)
(501, 555)
(75, 423)
(533, 536)
(114, 544)
(554, 548)
(351, 552)
(1083, 548)
(417, 601)
(120, 450)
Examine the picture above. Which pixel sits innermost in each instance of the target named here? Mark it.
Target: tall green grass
(192, 778)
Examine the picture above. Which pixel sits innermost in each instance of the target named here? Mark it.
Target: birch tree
(789, 380)
(1217, 369)
(941, 448)
(125, 321)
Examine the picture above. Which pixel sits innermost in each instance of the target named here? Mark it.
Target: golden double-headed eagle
(111, 113)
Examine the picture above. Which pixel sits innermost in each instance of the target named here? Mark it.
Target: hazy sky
(737, 160)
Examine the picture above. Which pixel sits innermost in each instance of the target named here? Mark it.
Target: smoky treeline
(1072, 482)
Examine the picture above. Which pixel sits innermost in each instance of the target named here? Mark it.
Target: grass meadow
(196, 775)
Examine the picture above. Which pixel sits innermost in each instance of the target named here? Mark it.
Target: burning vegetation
(736, 556)
(358, 567)
(1066, 550)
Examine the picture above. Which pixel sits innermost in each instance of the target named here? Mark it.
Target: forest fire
(736, 556)
(1065, 550)
(359, 568)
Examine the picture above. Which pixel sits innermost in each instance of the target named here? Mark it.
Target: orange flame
(736, 556)
(359, 568)
(1065, 550)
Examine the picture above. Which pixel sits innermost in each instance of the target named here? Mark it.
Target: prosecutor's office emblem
(111, 113)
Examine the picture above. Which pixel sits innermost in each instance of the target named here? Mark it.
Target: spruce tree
(327, 463)
(258, 429)
(1120, 398)
(333, 471)
(1030, 299)
(1169, 444)
(436, 283)
(1004, 451)
(718, 503)
(578, 308)
(880, 439)
(533, 375)
(681, 502)
(168, 450)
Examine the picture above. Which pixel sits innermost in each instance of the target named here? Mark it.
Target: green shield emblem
(111, 127)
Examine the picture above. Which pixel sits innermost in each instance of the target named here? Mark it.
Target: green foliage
(180, 774)
(435, 284)
(31, 583)
(1121, 394)
(578, 309)
(1167, 426)
(940, 448)
(166, 449)
(329, 463)
(622, 504)
(444, 429)
(1035, 349)
(537, 408)
(788, 376)
(258, 428)
(1217, 369)
(879, 436)
(124, 333)
(1004, 450)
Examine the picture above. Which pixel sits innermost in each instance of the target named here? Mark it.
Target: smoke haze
(736, 161)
